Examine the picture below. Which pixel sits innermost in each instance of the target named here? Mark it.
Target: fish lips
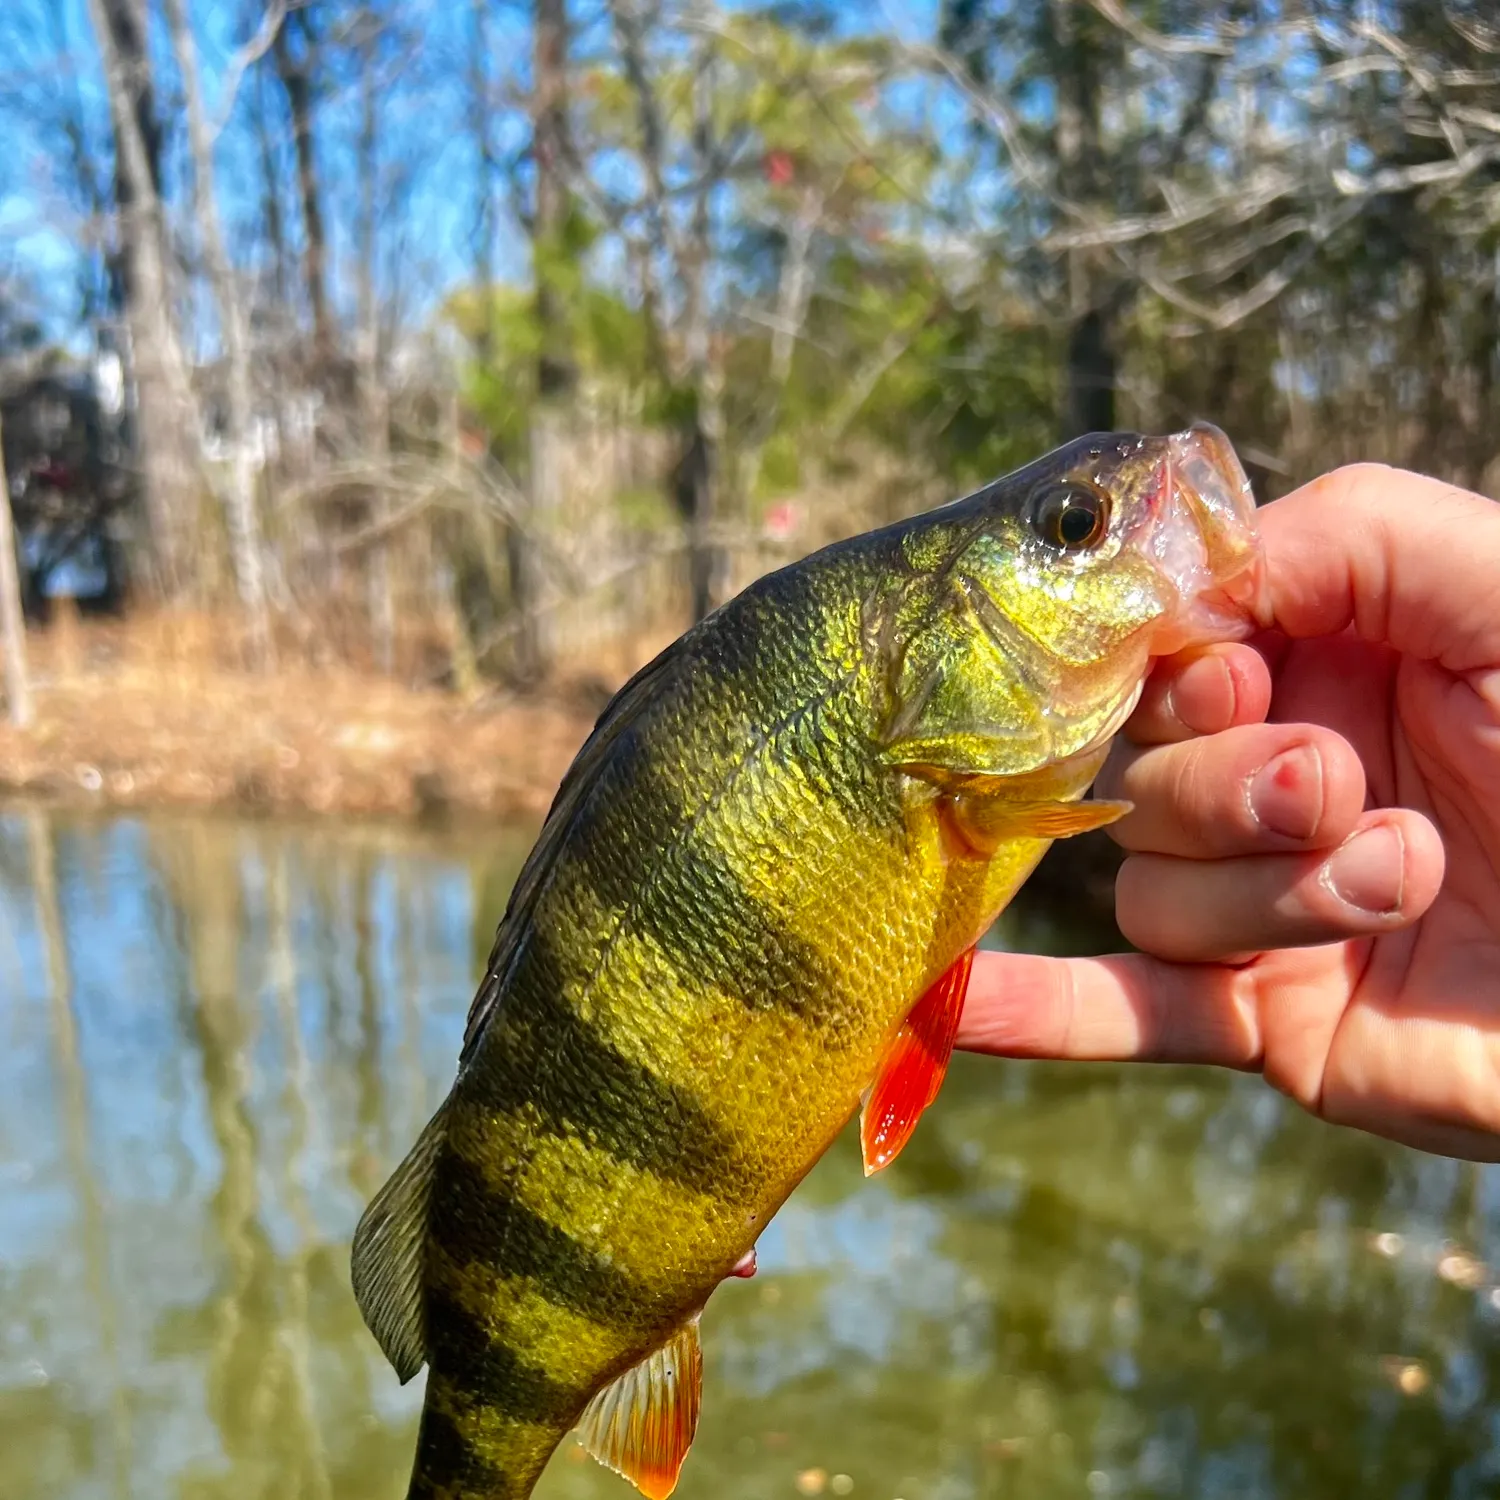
(1200, 531)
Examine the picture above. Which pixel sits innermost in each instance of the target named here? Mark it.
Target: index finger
(1406, 560)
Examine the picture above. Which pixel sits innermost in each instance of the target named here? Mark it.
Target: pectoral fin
(913, 1070)
(642, 1424)
(984, 823)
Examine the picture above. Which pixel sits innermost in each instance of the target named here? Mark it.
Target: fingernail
(1369, 872)
(1286, 794)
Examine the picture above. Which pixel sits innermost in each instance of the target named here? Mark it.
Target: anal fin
(641, 1425)
(913, 1069)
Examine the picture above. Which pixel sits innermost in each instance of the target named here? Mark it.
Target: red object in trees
(779, 168)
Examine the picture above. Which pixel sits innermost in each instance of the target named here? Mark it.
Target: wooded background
(482, 333)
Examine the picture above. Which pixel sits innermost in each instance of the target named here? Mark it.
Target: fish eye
(1072, 516)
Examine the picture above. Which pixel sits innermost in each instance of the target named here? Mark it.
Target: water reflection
(215, 1038)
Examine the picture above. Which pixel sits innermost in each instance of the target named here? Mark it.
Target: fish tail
(475, 1450)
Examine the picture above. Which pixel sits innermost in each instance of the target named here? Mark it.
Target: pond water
(216, 1037)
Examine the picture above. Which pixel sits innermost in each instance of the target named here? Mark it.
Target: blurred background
(380, 384)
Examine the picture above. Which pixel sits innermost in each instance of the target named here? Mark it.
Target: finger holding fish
(1250, 789)
(1201, 691)
(1381, 878)
(1128, 1007)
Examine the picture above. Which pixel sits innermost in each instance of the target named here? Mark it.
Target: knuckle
(1350, 482)
(1174, 795)
(1063, 1009)
(1197, 809)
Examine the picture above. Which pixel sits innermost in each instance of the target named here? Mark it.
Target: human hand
(1294, 803)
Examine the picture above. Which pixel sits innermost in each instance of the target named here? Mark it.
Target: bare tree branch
(1158, 41)
(245, 58)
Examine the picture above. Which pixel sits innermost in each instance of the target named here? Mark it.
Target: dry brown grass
(155, 711)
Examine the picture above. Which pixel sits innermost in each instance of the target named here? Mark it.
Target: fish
(751, 914)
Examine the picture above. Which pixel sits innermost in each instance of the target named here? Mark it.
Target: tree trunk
(706, 432)
(12, 620)
(793, 299)
(270, 192)
(556, 376)
(294, 69)
(372, 397)
(1092, 371)
(694, 480)
(165, 412)
(278, 320)
(481, 123)
(1092, 368)
(240, 505)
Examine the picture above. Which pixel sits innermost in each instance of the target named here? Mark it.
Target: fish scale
(781, 836)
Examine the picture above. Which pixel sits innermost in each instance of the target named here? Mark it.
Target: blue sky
(427, 243)
(52, 69)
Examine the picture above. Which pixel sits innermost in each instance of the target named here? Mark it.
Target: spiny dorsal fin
(642, 1424)
(387, 1258)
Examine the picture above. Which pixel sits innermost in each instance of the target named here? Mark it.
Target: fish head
(1045, 596)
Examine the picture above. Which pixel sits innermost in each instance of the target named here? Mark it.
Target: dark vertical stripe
(491, 1373)
(541, 1053)
(716, 932)
(755, 697)
(476, 1225)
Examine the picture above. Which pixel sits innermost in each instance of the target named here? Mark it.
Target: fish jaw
(1200, 532)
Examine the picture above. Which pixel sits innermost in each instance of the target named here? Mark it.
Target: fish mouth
(1203, 537)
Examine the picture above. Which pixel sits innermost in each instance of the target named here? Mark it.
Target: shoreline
(121, 724)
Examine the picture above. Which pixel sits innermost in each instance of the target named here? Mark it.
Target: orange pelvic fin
(642, 1424)
(913, 1070)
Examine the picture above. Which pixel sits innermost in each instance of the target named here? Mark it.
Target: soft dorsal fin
(620, 713)
(641, 1425)
(387, 1259)
(913, 1069)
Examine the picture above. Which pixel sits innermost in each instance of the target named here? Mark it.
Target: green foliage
(606, 339)
(559, 261)
(644, 509)
(939, 303)
(782, 464)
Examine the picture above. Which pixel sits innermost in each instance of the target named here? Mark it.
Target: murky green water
(215, 1038)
